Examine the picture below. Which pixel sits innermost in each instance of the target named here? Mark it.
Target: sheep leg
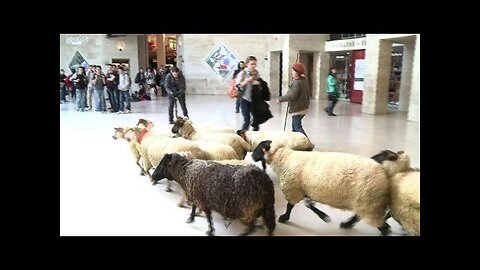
(142, 171)
(192, 214)
(310, 205)
(286, 216)
(208, 213)
(385, 229)
(387, 216)
(350, 223)
(182, 199)
(251, 228)
(168, 189)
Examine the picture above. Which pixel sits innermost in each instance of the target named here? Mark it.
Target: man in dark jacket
(175, 86)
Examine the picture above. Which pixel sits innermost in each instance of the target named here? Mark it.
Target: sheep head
(166, 166)
(393, 163)
(145, 123)
(261, 150)
(120, 133)
(135, 134)
(183, 126)
(385, 155)
(242, 133)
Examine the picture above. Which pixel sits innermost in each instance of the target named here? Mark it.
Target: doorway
(306, 58)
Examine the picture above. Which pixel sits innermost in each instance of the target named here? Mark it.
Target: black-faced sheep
(184, 127)
(234, 191)
(404, 189)
(341, 180)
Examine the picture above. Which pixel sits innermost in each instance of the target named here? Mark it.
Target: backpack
(233, 91)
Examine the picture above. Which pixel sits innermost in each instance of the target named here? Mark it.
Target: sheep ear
(400, 152)
(118, 129)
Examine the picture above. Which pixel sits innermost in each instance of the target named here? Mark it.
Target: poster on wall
(221, 61)
(77, 61)
(359, 74)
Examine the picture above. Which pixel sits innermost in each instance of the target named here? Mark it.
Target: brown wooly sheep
(184, 127)
(235, 191)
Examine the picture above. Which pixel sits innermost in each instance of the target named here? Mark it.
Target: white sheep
(404, 189)
(184, 127)
(153, 147)
(293, 140)
(341, 180)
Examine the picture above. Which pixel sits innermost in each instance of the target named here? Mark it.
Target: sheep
(120, 133)
(166, 130)
(235, 191)
(404, 189)
(152, 148)
(162, 130)
(186, 130)
(293, 140)
(341, 180)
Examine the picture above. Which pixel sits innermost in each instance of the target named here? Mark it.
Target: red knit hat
(299, 67)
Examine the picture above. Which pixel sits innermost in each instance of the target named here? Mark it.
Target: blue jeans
(237, 104)
(100, 105)
(81, 98)
(246, 109)
(297, 124)
(124, 96)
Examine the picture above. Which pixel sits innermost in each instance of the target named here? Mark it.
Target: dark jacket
(175, 87)
(260, 109)
(298, 95)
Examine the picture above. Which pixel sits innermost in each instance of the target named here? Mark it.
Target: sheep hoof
(168, 189)
(189, 220)
(327, 219)
(283, 218)
(180, 205)
(385, 230)
(346, 225)
(210, 233)
(142, 173)
(154, 182)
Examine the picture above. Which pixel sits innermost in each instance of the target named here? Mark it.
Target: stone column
(414, 106)
(378, 60)
(161, 61)
(323, 68)
(406, 79)
(142, 54)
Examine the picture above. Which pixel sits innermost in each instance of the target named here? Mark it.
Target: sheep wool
(341, 180)
(235, 191)
(405, 202)
(293, 140)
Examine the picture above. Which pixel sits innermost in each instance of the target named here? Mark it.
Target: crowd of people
(90, 89)
(116, 86)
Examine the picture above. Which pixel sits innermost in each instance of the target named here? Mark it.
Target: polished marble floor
(102, 193)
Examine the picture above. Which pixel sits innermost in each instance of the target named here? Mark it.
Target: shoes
(120, 112)
(127, 111)
(171, 122)
(332, 114)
